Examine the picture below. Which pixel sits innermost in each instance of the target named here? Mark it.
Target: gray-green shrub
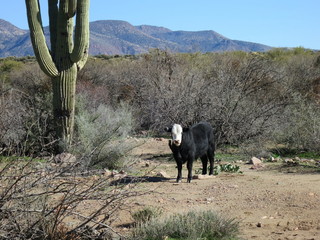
(190, 226)
(302, 130)
(101, 133)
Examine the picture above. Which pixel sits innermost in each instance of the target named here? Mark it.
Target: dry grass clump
(190, 226)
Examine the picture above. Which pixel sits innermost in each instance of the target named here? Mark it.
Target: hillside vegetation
(252, 99)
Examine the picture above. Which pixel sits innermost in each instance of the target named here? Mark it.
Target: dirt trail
(268, 204)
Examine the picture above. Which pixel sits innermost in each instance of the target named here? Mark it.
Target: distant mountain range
(113, 37)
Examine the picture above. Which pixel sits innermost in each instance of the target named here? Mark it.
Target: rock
(255, 161)
(163, 174)
(107, 172)
(65, 159)
(200, 176)
(291, 162)
(160, 139)
(274, 159)
(118, 176)
(288, 160)
(259, 224)
(297, 159)
(144, 133)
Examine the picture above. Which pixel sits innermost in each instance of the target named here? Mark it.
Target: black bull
(197, 141)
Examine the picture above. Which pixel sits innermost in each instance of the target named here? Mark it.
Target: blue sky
(278, 23)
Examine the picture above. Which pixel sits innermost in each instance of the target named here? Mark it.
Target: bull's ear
(168, 129)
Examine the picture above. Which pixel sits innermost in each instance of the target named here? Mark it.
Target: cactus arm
(53, 20)
(72, 8)
(83, 60)
(81, 42)
(38, 40)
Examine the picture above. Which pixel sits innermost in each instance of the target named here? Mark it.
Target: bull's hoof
(189, 180)
(179, 180)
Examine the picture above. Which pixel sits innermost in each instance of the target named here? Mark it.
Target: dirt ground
(268, 204)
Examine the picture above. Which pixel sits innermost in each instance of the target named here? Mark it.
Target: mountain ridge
(117, 37)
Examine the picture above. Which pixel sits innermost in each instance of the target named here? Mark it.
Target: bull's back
(203, 138)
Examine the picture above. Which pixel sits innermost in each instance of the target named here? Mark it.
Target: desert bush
(101, 134)
(284, 54)
(38, 201)
(298, 128)
(246, 95)
(26, 112)
(146, 214)
(192, 225)
(302, 130)
(239, 94)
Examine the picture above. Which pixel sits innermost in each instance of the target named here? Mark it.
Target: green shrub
(229, 168)
(101, 133)
(218, 168)
(190, 226)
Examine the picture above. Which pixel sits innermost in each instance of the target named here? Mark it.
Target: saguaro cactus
(68, 54)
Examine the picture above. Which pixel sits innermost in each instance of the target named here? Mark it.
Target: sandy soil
(269, 204)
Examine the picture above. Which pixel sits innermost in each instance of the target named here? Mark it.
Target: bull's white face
(176, 134)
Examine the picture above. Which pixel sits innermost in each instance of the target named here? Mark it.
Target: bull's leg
(179, 177)
(189, 166)
(211, 162)
(204, 161)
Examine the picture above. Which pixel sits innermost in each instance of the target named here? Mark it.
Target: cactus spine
(66, 57)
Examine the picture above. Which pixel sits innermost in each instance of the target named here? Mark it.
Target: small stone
(64, 158)
(255, 161)
(163, 174)
(259, 224)
(274, 159)
(297, 159)
(200, 176)
(291, 161)
(107, 172)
